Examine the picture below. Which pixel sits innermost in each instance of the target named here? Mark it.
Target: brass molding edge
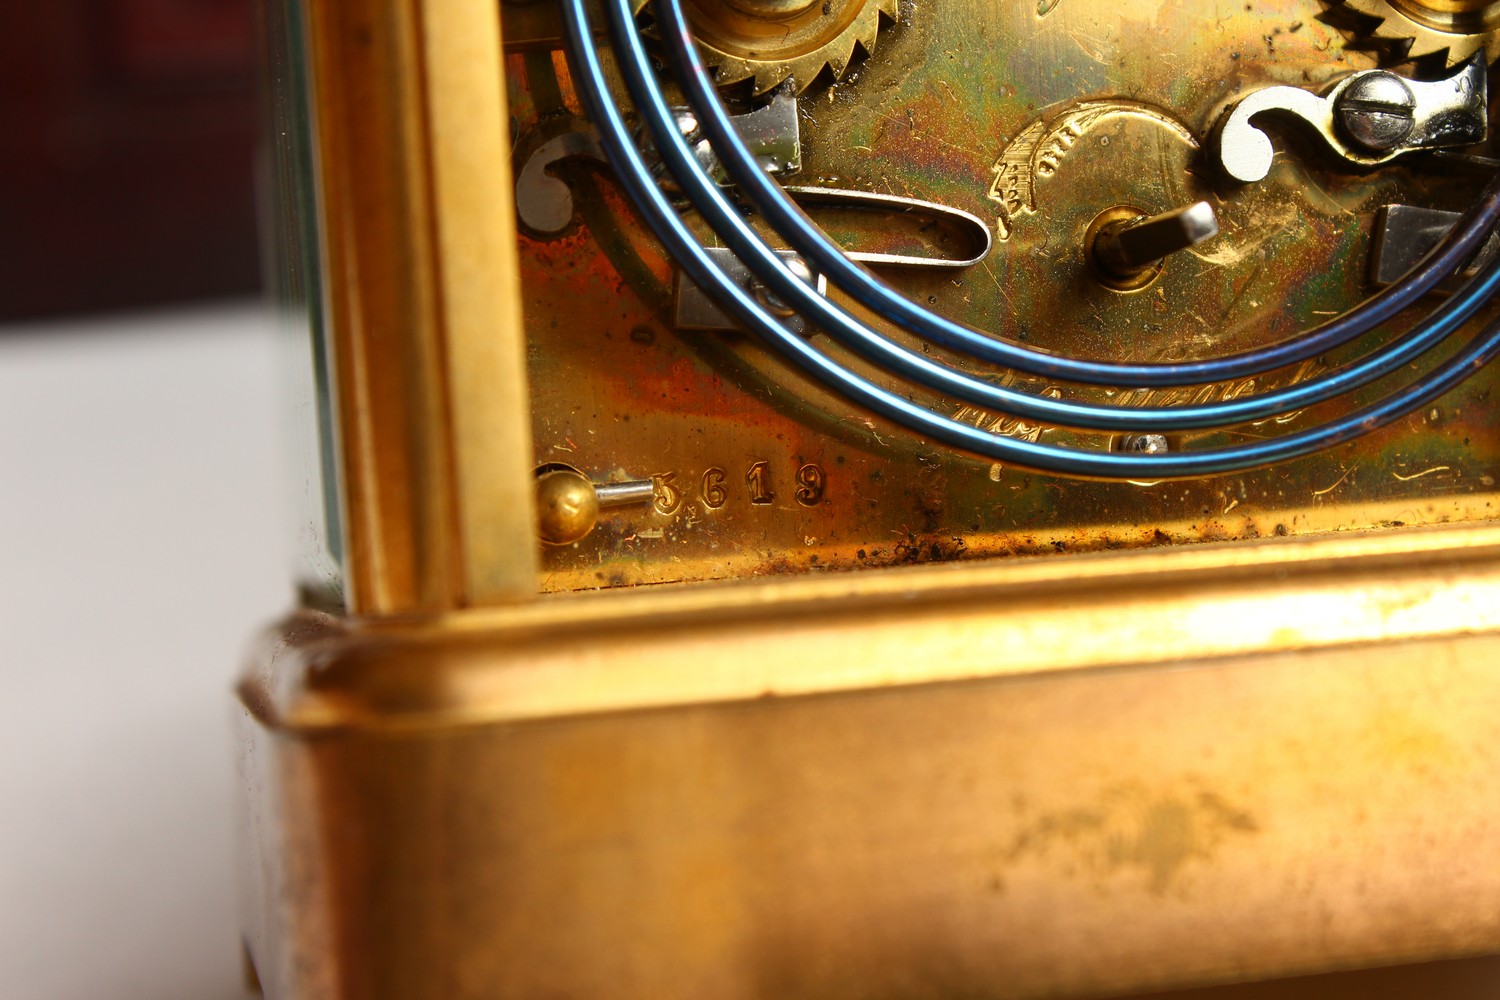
(695, 645)
(423, 304)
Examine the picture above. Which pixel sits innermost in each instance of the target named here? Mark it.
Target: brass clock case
(794, 703)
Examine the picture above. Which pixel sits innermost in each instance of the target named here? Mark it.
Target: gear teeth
(1422, 41)
(867, 32)
(836, 54)
(768, 76)
(730, 71)
(839, 61)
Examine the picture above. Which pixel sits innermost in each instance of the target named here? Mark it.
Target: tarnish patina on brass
(1036, 119)
(911, 783)
(504, 770)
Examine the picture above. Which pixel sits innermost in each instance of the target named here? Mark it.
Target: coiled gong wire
(765, 194)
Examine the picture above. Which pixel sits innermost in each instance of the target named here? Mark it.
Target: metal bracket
(1404, 234)
(544, 202)
(773, 133)
(697, 311)
(1367, 119)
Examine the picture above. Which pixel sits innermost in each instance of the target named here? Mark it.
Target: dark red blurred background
(127, 152)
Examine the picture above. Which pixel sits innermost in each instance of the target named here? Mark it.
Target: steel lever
(1367, 119)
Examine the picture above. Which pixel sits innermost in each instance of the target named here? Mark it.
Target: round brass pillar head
(567, 505)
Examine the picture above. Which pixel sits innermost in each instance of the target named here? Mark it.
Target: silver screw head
(1377, 111)
(770, 299)
(1145, 444)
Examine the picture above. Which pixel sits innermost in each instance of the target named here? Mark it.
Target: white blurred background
(143, 538)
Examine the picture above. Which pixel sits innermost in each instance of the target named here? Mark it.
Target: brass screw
(1144, 444)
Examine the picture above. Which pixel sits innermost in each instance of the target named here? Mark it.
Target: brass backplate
(1035, 117)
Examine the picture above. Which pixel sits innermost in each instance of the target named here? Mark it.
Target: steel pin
(1128, 248)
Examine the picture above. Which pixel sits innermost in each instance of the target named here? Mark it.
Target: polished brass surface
(1039, 847)
(1134, 763)
(566, 506)
(922, 784)
(421, 286)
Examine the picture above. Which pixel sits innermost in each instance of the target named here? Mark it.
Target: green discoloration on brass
(958, 106)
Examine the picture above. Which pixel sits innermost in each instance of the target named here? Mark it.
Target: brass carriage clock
(880, 498)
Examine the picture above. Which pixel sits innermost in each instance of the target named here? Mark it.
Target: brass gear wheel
(1459, 27)
(770, 41)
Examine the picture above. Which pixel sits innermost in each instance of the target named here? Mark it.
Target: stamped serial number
(715, 487)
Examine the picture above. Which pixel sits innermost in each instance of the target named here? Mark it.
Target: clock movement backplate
(1035, 118)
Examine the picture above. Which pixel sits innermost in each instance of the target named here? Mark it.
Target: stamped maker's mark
(1039, 151)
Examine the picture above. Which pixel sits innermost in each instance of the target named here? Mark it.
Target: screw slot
(1377, 112)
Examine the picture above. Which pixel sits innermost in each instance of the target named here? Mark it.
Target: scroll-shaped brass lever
(1367, 119)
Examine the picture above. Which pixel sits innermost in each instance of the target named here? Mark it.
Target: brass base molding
(581, 799)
